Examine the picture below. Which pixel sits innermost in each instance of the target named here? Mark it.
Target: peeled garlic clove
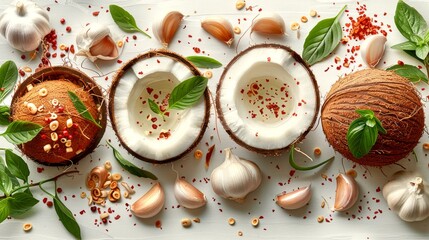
(347, 192)
(372, 49)
(187, 195)
(269, 24)
(165, 29)
(150, 203)
(219, 28)
(96, 42)
(295, 199)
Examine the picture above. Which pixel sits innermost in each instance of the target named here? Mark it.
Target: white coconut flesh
(139, 128)
(267, 98)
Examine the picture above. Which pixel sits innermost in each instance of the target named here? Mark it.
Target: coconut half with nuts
(150, 79)
(44, 98)
(267, 98)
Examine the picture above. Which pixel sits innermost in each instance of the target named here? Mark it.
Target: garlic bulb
(96, 42)
(269, 23)
(347, 192)
(219, 28)
(372, 49)
(295, 199)
(235, 178)
(407, 196)
(150, 203)
(187, 195)
(165, 28)
(24, 25)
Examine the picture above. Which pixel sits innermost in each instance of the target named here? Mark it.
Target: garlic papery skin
(95, 41)
(150, 203)
(347, 192)
(187, 195)
(219, 28)
(295, 199)
(407, 196)
(165, 29)
(269, 24)
(235, 178)
(24, 25)
(372, 49)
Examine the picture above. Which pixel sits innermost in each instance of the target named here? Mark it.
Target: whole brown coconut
(395, 103)
(48, 91)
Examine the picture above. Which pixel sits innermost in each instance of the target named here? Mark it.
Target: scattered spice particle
(158, 224)
(209, 156)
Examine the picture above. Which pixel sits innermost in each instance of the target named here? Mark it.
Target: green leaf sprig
(125, 20)
(131, 168)
(8, 77)
(19, 132)
(81, 108)
(304, 168)
(363, 133)
(183, 96)
(204, 62)
(323, 39)
(413, 73)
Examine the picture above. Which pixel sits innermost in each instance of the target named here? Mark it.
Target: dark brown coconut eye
(267, 98)
(395, 103)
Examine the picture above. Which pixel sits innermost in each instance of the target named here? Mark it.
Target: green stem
(302, 168)
(4, 149)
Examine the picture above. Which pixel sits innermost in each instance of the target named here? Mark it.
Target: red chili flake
(95, 14)
(400, 63)
(117, 217)
(72, 48)
(154, 126)
(149, 90)
(119, 61)
(60, 109)
(40, 169)
(45, 200)
(104, 220)
(134, 37)
(291, 173)
(49, 203)
(82, 212)
(62, 21)
(68, 29)
(59, 190)
(209, 156)
(158, 224)
(196, 50)
(268, 59)
(21, 72)
(93, 209)
(23, 56)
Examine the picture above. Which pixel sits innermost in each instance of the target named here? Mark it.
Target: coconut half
(267, 98)
(145, 134)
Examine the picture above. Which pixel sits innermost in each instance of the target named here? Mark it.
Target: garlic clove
(219, 28)
(166, 29)
(187, 195)
(372, 49)
(295, 199)
(347, 192)
(150, 203)
(269, 24)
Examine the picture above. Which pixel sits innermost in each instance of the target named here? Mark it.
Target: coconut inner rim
(279, 66)
(145, 79)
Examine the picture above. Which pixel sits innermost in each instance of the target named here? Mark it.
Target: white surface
(372, 218)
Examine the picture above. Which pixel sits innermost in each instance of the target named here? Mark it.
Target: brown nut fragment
(320, 219)
(83, 195)
(126, 194)
(322, 205)
(198, 154)
(255, 222)
(95, 192)
(107, 184)
(304, 19)
(426, 146)
(207, 74)
(352, 173)
(313, 13)
(197, 220)
(231, 221)
(27, 227)
(114, 195)
(317, 151)
(240, 233)
(240, 4)
(294, 26)
(108, 165)
(186, 222)
(116, 176)
(237, 30)
(113, 184)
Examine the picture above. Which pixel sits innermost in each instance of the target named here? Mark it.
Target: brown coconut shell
(117, 78)
(392, 98)
(85, 135)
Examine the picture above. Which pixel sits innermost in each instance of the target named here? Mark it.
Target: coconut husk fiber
(392, 98)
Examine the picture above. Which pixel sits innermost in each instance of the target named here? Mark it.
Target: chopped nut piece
(324, 176)
(426, 146)
(237, 30)
(352, 173)
(43, 92)
(186, 222)
(317, 151)
(240, 233)
(313, 13)
(126, 194)
(116, 176)
(113, 184)
(54, 136)
(83, 195)
(208, 74)
(53, 125)
(47, 148)
(27, 227)
(294, 26)
(27, 69)
(69, 150)
(255, 222)
(197, 220)
(198, 154)
(128, 188)
(55, 102)
(32, 108)
(320, 219)
(68, 143)
(322, 205)
(240, 4)
(41, 108)
(108, 165)
(29, 87)
(104, 215)
(231, 221)
(69, 123)
(120, 44)
(304, 19)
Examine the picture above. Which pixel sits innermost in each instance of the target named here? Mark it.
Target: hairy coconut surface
(83, 136)
(395, 103)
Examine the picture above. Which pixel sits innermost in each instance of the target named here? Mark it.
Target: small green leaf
(409, 21)
(6, 185)
(124, 20)
(187, 93)
(408, 45)
(4, 209)
(302, 168)
(19, 132)
(17, 166)
(323, 39)
(204, 62)
(426, 37)
(13, 179)
(131, 168)
(422, 51)
(8, 77)
(20, 203)
(416, 39)
(81, 108)
(4, 115)
(413, 73)
(66, 218)
(154, 107)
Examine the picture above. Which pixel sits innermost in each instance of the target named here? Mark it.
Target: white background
(276, 223)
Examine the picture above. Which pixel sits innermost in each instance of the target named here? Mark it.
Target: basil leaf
(6, 185)
(124, 20)
(131, 168)
(323, 39)
(8, 77)
(4, 209)
(408, 45)
(422, 51)
(154, 107)
(20, 203)
(187, 93)
(81, 108)
(204, 62)
(409, 21)
(12, 178)
(19, 132)
(66, 218)
(301, 168)
(416, 39)
(17, 166)
(412, 53)
(413, 73)
(4, 115)
(426, 37)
